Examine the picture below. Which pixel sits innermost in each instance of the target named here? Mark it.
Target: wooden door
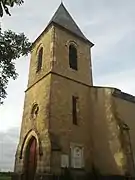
(31, 160)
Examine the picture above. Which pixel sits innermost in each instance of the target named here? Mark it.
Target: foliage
(5, 4)
(12, 46)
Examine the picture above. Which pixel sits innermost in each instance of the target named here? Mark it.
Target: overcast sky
(110, 25)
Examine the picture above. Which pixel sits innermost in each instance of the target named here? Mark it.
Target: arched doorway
(30, 159)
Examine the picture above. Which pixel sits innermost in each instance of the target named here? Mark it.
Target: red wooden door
(31, 159)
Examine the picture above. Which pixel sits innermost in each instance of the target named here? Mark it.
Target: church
(68, 123)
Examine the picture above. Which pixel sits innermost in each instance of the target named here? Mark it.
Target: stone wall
(40, 94)
(97, 130)
(54, 118)
(62, 40)
(61, 123)
(109, 157)
(124, 109)
(45, 41)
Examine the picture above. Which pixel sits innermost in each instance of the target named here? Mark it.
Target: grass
(5, 176)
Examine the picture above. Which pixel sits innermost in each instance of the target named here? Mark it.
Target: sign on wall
(77, 160)
(64, 160)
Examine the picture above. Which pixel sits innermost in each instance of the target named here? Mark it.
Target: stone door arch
(30, 161)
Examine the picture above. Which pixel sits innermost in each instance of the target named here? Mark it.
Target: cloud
(118, 58)
(8, 145)
(122, 80)
(107, 22)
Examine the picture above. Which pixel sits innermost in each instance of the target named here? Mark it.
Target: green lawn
(5, 178)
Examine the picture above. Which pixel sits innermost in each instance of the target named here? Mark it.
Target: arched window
(73, 57)
(34, 111)
(39, 59)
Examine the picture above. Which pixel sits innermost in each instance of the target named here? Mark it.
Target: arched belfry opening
(40, 59)
(73, 57)
(30, 161)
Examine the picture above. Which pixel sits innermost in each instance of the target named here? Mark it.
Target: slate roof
(64, 19)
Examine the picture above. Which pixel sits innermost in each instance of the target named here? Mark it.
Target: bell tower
(56, 101)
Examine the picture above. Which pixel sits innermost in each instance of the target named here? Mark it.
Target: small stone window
(34, 111)
(73, 57)
(39, 59)
(64, 161)
(74, 110)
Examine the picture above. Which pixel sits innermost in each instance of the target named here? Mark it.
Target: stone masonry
(102, 112)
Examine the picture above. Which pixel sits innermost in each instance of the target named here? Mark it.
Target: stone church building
(67, 122)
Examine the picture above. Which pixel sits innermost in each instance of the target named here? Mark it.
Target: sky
(108, 24)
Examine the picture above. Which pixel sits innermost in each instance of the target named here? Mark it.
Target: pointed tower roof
(63, 19)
